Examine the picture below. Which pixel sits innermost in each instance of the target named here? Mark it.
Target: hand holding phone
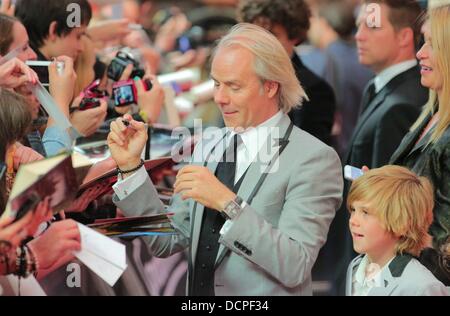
(91, 96)
(352, 173)
(125, 93)
(88, 103)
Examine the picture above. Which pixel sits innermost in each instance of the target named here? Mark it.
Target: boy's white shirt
(361, 285)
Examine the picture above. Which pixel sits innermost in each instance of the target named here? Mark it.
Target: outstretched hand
(127, 143)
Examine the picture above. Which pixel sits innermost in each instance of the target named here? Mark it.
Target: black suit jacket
(431, 161)
(316, 116)
(386, 120)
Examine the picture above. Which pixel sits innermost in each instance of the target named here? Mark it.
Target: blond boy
(391, 210)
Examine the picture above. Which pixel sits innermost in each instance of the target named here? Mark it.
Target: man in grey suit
(255, 221)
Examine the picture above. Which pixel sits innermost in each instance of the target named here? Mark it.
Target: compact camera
(125, 92)
(91, 96)
(120, 62)
(88, 103)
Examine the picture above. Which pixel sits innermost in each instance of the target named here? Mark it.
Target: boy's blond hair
(401, 200)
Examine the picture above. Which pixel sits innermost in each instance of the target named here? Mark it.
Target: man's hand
(151, 102)
(87, 122)
(15, 73)
(127, 143)
(200, 184)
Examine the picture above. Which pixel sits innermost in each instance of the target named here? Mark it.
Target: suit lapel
(366, 97)
(253, 175)
(392, 275)
(349, 277)
(409, 146)
(376, 102)
(390, 284)
(422, 143)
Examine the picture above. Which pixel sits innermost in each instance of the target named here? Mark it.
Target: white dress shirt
(252, 143)
(362, 283)
(383, 78)
(253, 140)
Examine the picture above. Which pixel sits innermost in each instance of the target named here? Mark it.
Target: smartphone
(351, 173)
(41, 69)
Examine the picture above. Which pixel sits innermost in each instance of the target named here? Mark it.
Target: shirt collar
(375, 280)
(254, 138)
(383, 78)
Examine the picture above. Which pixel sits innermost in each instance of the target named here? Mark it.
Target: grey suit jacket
(405, 276)
(275, 241)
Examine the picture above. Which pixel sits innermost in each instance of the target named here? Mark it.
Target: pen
(128, 124)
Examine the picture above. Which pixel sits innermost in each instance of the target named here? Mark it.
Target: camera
(91, 96)
(88, 103)
(93, 91)
(125, 92)
(120, 62)
(191, 39)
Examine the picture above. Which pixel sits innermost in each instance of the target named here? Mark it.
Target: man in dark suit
(391, 102)
(288, 20)
(332, 33)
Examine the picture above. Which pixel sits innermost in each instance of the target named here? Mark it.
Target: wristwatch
(233, 208)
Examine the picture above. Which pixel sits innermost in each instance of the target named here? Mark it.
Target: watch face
(232, 209)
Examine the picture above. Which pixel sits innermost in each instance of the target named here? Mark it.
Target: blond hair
(402, 201)
(271, 62)
(440, 38)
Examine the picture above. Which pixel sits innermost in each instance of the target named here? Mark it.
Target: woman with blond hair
(426, 149)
